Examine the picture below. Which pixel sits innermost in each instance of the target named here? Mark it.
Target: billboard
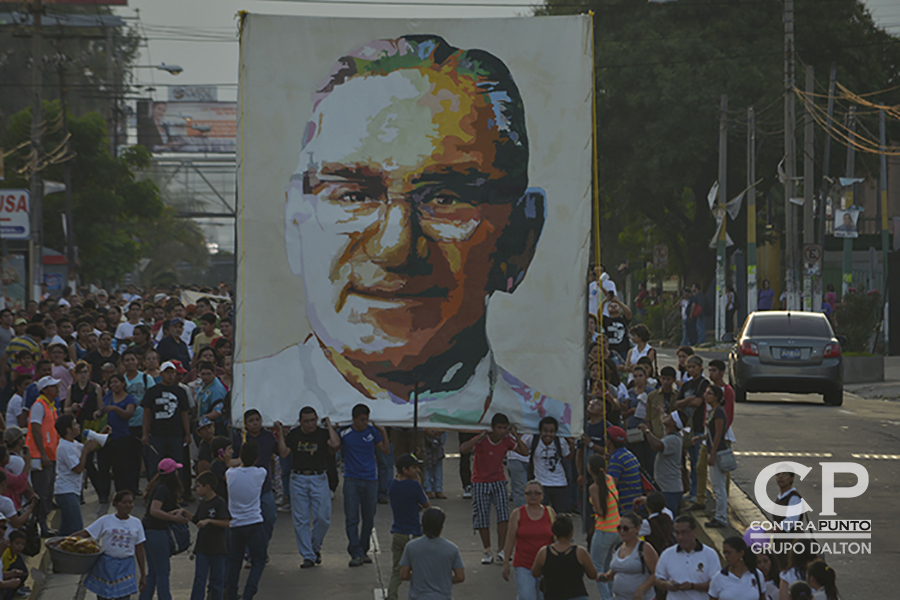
(845, 223)
(415, 207)
(187, 126)
(15, 214)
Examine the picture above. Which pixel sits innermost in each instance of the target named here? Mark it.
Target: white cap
(46, 382)
(167, 365)
(677, 418)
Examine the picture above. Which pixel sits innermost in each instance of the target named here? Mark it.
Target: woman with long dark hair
(823, 580)
(562, 564)
(605, 500)
(740, 579)
(768, 563)
(799, 556)
(161, 496)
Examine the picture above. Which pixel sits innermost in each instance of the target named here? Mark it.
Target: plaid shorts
(485, 494)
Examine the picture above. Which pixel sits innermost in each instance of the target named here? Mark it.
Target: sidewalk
(889, 389)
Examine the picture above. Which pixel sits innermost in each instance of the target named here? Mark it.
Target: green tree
(660, 70)
(115, 213)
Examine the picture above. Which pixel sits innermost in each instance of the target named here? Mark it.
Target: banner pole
(416, 416)
(239, 244)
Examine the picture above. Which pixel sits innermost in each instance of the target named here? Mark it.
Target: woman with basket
(121, 539)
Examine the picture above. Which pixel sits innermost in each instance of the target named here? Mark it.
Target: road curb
(742, 511)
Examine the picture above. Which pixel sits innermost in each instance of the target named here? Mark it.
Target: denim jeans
(527, 585)
(360, 502)
(269, 514)
(688, 330)
(701, 329)
(602, 545)
(385, 471)
(310, 511)
(720, 488)
(693, 456)
(156, 549)
(702, 474)
(518, 477)
(70, 510)
(246, 537)
(163, 447)
(209, 567)
(673, 501)
(434, 477)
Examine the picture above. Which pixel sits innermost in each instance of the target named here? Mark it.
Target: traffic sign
(812, 253)
(15, 214)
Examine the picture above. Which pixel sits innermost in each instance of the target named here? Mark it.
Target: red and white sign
(15, 214)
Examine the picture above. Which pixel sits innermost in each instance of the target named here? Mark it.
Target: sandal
(429, 495)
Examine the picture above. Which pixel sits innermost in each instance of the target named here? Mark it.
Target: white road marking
(783, 454)
(380, 593)
(877, 456)
(846, 412)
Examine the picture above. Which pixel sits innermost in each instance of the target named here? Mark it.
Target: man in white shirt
(71, 458)
(788, 496)
(686, 568)
(546, 454)
(246, 529)
(125, 330)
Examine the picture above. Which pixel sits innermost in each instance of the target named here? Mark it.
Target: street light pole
(35, 242)
(722, 241)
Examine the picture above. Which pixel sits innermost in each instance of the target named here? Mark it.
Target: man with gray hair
(408, 209)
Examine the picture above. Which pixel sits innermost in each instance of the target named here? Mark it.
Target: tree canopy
(660, 71)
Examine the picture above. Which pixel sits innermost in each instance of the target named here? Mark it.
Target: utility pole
(809, 149)
(847, 279)
(67, 168)
(882, 139)
(826, 160)
(114, 104)
(36, 241)
(790, 152)
(751, 211)
(721, 299)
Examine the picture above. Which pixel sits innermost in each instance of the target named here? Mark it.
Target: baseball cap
(101, 293)
(617, 434)
(179, 368)
(167, 365)
(12, 434)
(678, 422)
(46, 382)
(204, 421)
(167, 465)
(20, 321)
(406, 460)
(176, 321)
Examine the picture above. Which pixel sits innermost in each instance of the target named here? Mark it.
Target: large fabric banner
(415, 208)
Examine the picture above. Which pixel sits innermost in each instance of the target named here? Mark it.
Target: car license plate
(790, 353)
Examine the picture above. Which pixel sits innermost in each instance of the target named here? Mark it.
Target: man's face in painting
(400, 215)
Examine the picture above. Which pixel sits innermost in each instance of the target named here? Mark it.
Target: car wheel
(740, 394)
(835, 397)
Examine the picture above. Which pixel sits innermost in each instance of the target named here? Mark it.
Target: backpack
(534, 444)
(179, 538)
(640, 551)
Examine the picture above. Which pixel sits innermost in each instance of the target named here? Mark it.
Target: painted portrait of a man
(409, 208)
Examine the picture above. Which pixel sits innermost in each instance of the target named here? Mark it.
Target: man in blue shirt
(624, 468)
(407, 499)
(211, 397)
(358, 443)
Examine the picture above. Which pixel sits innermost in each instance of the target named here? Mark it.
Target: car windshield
(788, 325)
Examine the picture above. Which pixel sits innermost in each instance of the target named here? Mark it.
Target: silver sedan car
(782, 351)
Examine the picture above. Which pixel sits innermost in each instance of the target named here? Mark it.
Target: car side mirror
(728, 338)
(842, 340)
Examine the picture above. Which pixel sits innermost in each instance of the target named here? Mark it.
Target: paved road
(794, 425)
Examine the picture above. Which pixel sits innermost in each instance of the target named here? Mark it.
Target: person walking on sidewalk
(407, 498)
(530, 529)
(563, 565)
(42, 442)
(432, 564)
(161, 496)
(605, 501)
(166, 426)
(211, 547)
(246, 533)
(358, 446)
(489, 481)
(309, 447)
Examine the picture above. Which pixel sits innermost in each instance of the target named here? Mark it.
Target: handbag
(634, 436)
(725, 460)
(696, 310)
(179, 538)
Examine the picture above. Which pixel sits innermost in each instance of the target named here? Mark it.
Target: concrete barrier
(863, 369)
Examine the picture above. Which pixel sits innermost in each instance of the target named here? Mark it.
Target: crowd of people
(94, 394)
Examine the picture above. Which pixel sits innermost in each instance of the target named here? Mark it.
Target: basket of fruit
(75, 555)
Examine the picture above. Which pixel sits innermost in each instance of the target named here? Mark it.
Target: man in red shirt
(489, 480)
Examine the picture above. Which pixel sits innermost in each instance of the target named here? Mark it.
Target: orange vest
(48, 431)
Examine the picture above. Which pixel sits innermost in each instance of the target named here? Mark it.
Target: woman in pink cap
(162, 498)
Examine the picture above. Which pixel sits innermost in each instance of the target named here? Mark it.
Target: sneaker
(467, 492)
(23, 592)
(307, 564)
(500, 556)
(284, 508)
(487, 559)
(318, 558)
(716, 524)
(356, 561)
(367, 559)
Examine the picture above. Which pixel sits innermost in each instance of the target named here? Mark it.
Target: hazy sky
(199, 35)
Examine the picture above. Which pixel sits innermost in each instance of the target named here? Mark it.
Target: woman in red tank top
(529, 531)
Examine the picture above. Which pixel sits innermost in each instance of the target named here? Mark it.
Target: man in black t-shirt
(692, 407)
(615, 327)
(166, 427)
(212, 518)
(309, 447)
(102, 355)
